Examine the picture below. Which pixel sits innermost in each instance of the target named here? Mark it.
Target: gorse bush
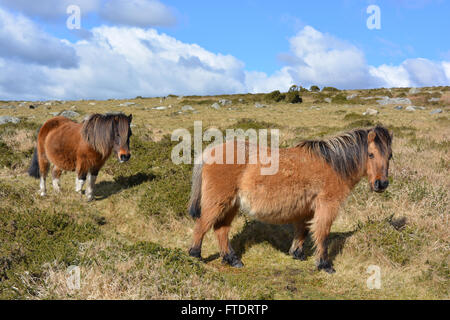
(331, 89)
(293, 97)
(275, 96)
(32, 237)
(314, 89)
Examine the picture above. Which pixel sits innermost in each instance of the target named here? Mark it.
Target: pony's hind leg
(207, 219)
(222, 229)
(56, 174)
(323, 218)
(44, 165)
(202, 225)
(301, 231)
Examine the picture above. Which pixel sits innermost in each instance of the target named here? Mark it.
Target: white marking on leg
(90, 186)
(42, 186)
(55, 183)
(79, 183)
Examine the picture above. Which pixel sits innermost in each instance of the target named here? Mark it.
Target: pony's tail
(34, 167)
(195, 209)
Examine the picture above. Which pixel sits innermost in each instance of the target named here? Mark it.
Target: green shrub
(314, 89)
(332, 89)
(399, 245)
(339, 99)
(30, 238)
(293, 97)
(275, 96)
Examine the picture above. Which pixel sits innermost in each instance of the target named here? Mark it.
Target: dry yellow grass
(404, 231)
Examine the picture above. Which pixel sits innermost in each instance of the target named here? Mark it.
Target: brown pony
(313, 180)
(81, 147)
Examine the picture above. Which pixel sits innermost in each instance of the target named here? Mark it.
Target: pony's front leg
(323, 218)
(79, 183)
(91, 178)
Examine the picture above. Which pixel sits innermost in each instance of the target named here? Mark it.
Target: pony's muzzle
(380, 185)
(124, 157)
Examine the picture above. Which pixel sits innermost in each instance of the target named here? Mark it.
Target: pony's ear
(391, 133)
(130, 117)
(116, 119)
(371, 136)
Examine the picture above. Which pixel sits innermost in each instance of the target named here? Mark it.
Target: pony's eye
(371, 155)
(390, 156)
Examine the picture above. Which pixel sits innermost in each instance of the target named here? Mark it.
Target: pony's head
(379, 152)
(122, 134)
(110, 132)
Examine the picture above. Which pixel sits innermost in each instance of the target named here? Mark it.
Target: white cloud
(127, 62)
(23, 40)
(316, 58)
(138, 13)
(121, 62)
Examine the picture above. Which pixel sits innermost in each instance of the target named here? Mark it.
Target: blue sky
(257, 31)
(153, 48)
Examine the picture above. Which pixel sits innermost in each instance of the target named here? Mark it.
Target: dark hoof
(299, 254)
(196, 253)
(325, 266)
(232, 260)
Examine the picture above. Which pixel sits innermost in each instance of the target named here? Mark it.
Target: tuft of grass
(30, 239)
(399, 246)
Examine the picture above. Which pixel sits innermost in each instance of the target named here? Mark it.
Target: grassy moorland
(132, 241)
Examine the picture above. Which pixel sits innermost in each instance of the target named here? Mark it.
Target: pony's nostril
(377, 184)
(385, 184)
(125, 157)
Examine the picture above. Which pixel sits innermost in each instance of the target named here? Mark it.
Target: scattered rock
(127, 104)
(314, 108)
(8, 119)
(215, 106)
(187, 108)
(48, 104)
(370, 112)
(259, 105)
(225, 102)
(421, 108)
(69, 114)
(352, 96)
(159, 108)
(414, 90)
(434, 99)
(7, 107)
(410, 108)
(54, 114)
(436, 111)
(328, 100)
(92, 103)
(241, 100)
(398, 108)
(386, 100)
